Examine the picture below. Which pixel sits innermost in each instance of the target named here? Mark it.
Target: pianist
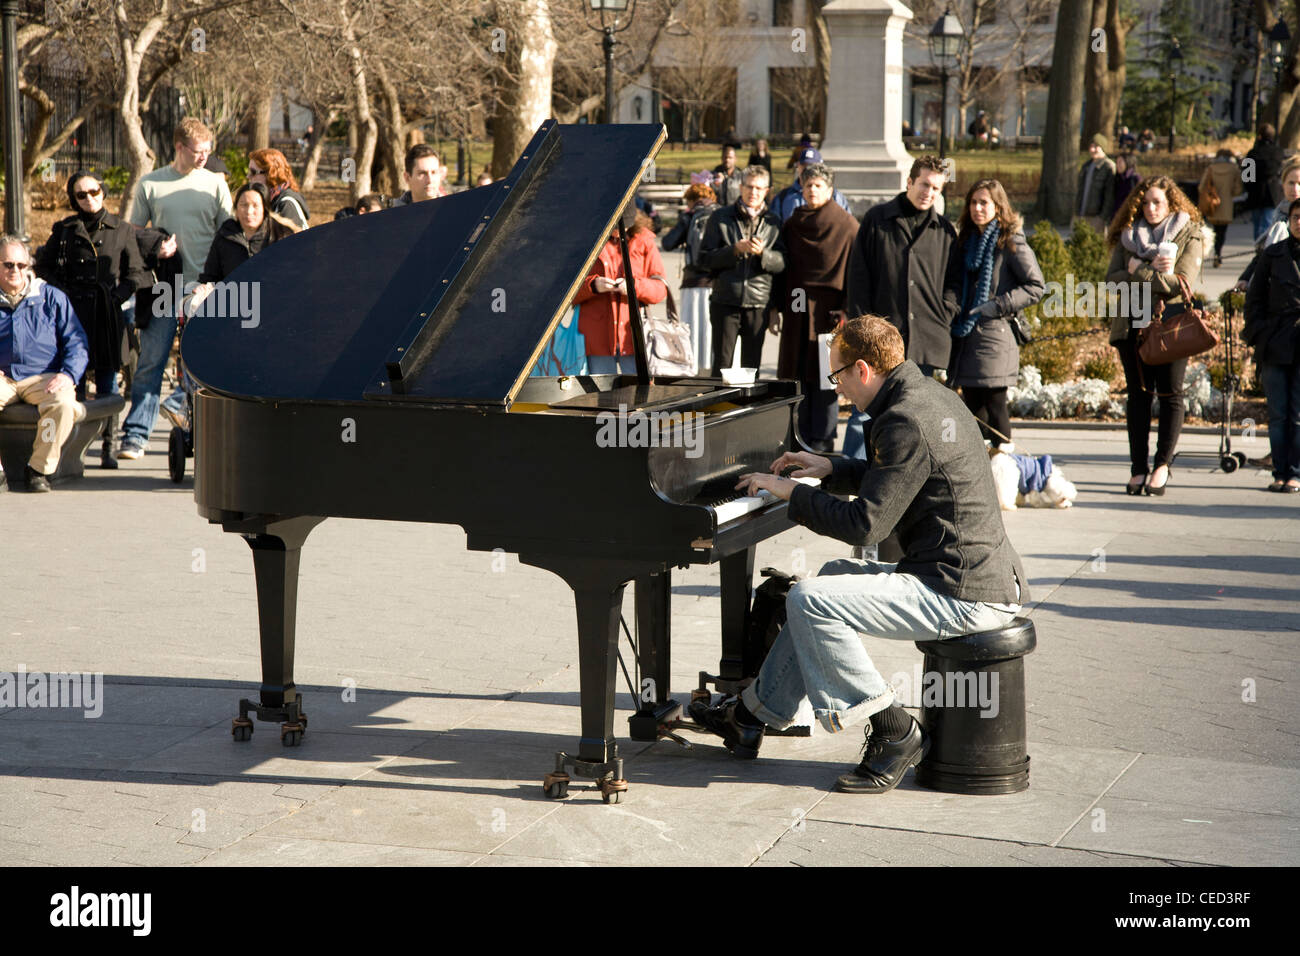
(928, 478)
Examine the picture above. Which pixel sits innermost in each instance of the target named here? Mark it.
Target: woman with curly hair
(271, 169)
(1156, 237)
(1001, 278)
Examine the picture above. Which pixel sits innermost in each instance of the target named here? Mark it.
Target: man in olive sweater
(927, 477)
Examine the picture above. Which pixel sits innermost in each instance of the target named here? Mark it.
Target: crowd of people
(793, 261)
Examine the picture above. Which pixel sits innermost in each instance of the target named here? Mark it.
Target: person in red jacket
(603, 317)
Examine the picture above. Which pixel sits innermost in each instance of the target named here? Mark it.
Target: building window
(782, 13)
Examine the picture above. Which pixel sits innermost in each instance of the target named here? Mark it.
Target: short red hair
(277, 168)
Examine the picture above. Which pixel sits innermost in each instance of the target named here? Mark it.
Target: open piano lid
(444, 302)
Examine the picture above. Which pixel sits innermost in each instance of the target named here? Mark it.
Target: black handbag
(1020, 330)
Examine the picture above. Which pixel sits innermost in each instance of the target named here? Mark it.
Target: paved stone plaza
(1155, 619)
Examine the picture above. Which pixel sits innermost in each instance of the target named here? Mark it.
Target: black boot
(108, 451)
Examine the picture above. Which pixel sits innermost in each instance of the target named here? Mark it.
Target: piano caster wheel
(611, 791)
(241, 728)
(291, 734)
(302, 719)
(556, 786)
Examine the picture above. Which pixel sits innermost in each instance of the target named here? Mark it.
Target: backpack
(695, 233)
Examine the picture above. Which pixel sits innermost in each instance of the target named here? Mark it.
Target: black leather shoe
(885, 762)
(36, 481)
(108, 454)
(741, 739)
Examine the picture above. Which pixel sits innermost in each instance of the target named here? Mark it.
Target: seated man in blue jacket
(42, 356)
(927, 477)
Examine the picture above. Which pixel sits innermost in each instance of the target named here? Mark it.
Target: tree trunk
(393, 127)
(139, 156)
(363, 119)
(1106, 73)
(260, 116)
(1254, 88)
(317, 148)
(1056, 199)
(526, 101)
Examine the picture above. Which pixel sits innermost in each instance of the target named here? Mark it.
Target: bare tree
(997, 33)
(699, 65)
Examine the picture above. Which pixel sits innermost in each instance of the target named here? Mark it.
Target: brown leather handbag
(1178, 336)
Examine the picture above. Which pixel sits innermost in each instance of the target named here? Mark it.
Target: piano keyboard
(730, 509)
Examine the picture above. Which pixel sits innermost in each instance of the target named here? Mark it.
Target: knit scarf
(979, 262)
(1141, 238)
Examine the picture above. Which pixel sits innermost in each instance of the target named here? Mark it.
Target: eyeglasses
(86, 194)
(834, 377)
(15, 265)
(200, 148)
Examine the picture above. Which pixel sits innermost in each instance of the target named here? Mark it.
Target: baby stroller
(180, 443)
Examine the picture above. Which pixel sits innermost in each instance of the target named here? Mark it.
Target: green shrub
(236, 160)
(1054, 359)
(115, 179)
(1088, 254)
(1103, 367)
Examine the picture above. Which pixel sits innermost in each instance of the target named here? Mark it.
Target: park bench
(1028, 142)
(18, 431)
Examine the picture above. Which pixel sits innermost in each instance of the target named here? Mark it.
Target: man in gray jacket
(1095, 191)
(742, 249)
(927, 477)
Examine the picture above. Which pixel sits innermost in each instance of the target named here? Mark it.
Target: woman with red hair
(603, 315)
(271, 169)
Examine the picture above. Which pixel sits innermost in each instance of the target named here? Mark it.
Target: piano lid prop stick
(634, 312)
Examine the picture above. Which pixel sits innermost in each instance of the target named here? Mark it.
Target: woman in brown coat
(1156, 212)
(1224, 175)
(818, 239)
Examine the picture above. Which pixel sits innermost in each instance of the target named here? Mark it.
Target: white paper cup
(1169, 249)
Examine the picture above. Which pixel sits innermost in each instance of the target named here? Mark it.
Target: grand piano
(387, 377)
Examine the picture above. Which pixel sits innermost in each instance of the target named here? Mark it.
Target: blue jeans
(1282, 387)
(1262, 218)
(610, 364)
(155, 348)
(819, 655)
(855, 437)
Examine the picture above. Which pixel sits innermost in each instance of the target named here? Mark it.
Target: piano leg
(737, 583)
(654, 632)
(598, 596)
(277, 549)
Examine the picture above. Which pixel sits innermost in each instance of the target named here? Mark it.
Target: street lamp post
(1175, 54)
(610, 13)
(1279, 37)
(946, 39)
(15, 215)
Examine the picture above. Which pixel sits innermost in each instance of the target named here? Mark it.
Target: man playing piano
(927, 477)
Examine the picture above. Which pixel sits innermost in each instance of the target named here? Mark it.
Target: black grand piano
(407, 338)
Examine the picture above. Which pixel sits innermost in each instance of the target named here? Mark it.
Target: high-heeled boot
(108, 451)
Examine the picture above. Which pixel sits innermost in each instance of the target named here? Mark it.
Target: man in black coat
(742, 248)
(1264, 191)
(905, 267)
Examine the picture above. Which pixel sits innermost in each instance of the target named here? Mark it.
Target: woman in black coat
(1001, 279)
(251, 230)
(1272, 328)
(92, 256)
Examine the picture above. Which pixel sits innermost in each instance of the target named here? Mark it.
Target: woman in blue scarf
(1000, 279)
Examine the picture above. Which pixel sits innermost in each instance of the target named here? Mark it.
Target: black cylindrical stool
(973, 708)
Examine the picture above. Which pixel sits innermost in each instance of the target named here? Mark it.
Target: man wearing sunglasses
(43, 355)
(191, 204)
(927, 477)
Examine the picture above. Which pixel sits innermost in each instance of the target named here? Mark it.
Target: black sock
(743, 716)
(892, 723)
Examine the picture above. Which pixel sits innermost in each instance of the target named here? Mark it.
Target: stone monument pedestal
(864, 112)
